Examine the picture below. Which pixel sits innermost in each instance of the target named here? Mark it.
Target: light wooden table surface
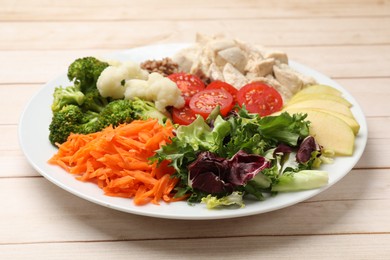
(346, 40)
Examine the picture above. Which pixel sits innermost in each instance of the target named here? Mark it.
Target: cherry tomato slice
(183, 116)
(260, 98)
(226, 86)
(188, 84)
(205, 101)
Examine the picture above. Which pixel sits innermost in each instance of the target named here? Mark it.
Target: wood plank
(15, 164)
(344, 61)
(346, 208)
(334, 61)
(375, 154)
(38, 66)
(370, 246)
(17, 98)
(351, 43)
(56, 10)
(369, 91)
(276, 32)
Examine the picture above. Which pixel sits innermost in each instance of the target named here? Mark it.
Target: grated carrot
(117, 160)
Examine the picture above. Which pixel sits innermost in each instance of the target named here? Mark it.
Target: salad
(191, 135)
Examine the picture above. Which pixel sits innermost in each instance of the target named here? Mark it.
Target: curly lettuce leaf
(213, 202)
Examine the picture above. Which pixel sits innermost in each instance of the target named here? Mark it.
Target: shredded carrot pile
(117, 160)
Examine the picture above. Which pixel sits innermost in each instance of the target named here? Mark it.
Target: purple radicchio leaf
(208, 173)
(212, 174)
(282, 149)
(306, 148)
(244, 167)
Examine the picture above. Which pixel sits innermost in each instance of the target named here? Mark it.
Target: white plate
(33, 137)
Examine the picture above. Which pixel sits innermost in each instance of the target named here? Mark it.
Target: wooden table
(346, 40)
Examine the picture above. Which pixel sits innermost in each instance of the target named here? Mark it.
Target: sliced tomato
(226, 86)
(260, 98)
(188, 84)
(204, 102)
(183, 116)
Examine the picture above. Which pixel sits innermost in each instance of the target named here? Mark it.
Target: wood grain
(263, 247)
(346, 40)
(345, 208)
(121, 10)
(356, 62)
(126, 34)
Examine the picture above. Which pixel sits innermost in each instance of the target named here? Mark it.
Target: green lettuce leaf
(302, 180)
(213, 202)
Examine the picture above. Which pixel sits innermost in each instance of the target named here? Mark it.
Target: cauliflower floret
(111, 81)
(157, 88)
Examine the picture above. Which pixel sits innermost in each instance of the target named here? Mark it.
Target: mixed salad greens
(220, 158)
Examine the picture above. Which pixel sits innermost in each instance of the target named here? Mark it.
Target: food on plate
(239, 63)
(318, 88)
(331, 120)
(244, 154)
(105, 94)
(260, 98)
(157, 88)
(319, 96)
(226, 86)
(222, 122)
(188, 84)
(331, 132)
(165, 66)
(117, 159)
(205, 101)
(183, 116)
(112, 79)
(322, 104)
(301, 179)
(73, 119)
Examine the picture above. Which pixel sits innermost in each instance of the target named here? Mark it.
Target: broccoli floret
(85, 72)
(66, 96)
(93, 101)
(146, 109)
(116, 112)
(71, 119)
(90, 123)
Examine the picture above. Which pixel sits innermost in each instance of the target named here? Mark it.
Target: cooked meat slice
(288, 77)
(306, 80)
(186, 57)
(215, 73)
(234, 56)
(201, 66)
(260, 68)
(277, 55)
(220, 44)
(252, 51)
(233, 76)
